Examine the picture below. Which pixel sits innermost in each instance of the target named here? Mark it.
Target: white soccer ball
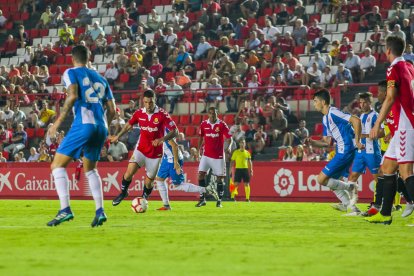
(139, 205)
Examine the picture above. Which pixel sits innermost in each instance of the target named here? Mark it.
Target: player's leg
(218, 167)
(402, 189)
(247, 191)
(151, 166)
(203, 167)
(137, 161)
(162, 188)
(235, 190)
(61, 179)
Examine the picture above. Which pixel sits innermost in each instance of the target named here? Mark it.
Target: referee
(244, 169)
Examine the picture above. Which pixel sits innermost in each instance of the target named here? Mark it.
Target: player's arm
(72, 96)
(127, 127)
(324, 142)
(170, 135)
(110, 111)
(175, 150)
(385, 109)
(200, 143)
(230, 142)
(356, 124)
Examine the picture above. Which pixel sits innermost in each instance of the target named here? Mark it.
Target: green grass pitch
(242, 238)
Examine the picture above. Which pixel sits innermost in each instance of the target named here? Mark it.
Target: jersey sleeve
(226, 130)
(134, 118)
(169, 122)
(392, 77)
(68, 78)
(341, 115)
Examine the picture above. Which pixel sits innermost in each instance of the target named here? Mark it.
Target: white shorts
(401, 147)
(151, 164)
(218, 166)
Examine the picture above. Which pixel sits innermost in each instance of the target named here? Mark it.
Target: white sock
(190, 188)
(62, 186)
(95, 184)
(343, 196)
(335, 184)
(163, 190)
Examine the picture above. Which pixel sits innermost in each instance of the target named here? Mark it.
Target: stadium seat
(30, 132)
(354, 27)
(6, 155)
(191, 131)
(56, 79)
(196, 119)
(184, 119)
(40, 132)
(194, 142)
(125, 98)
(229, 119)
(374, 90)
(53, 69)
(124, 78)
(176, 118)
(68, 60)
(299, 50)
(318, 130)
(281, 154)
(60, 60)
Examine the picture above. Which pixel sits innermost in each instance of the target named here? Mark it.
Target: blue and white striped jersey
(168, 153)
(368, 121)
(336, 125)
(93, 92)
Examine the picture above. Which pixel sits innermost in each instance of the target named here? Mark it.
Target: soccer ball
(139, 205)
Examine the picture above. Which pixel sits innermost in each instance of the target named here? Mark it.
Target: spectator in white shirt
(313, 75)
(368, 63)
(327, 78)
(319, 60)
(117, 151)
(214, 94)
(202, 48)
(3, 19)
(271, 32)
(353, 63)
(34, 156)
(111, 73)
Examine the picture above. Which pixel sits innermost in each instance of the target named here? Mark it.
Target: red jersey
(214, 136)
(152, 127)
(400, 74)
(313, 32)
(343, 51)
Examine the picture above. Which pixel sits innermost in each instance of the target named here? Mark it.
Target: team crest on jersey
(156, 121)
(217, 129)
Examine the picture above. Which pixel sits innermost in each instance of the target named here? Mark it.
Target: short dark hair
(149, 94)
(81, 54)
(324, 95)
(396, 44)
(212, 108)
(382, 84)
(365, 96)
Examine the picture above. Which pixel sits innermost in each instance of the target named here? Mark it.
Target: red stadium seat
(43, 32)
(56, 79)
(281, 154)
(318, 130)
(184, 119)
(68, 60)
(354, 27)
(196, 119)
(40, 132)
(125, 98)
(33, 33)
(6, 155)
(373, 90)
(60, 60)
(67, 50)
(229, 119)
(53, 69)
(191, 131)
(299, 50)
(176, 119)
(30, 132)
(124, 78)
(194, 142)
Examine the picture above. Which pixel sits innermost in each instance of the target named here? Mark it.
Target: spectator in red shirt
(10, 47)
(249, 75)
(120, 14)
(314, 30)
(50, 53)
(374, 41)
(355, 10)
(156, 68)
(214, 12)
(14, 74)
(285, 44)
(69, 16)
(344, 49)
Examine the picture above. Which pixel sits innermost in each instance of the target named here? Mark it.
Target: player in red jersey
(153, 121)
(398, 110)
(213, 133)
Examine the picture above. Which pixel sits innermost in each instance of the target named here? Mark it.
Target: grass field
(241, 238)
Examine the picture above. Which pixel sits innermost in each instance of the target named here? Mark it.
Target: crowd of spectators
(237, 48)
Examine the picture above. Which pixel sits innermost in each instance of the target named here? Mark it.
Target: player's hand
(113, 139)
(52, 131)
(177, 167)
(157, 142)
(360, 146)
(373, 134)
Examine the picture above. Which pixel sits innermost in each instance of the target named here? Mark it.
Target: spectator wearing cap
(353, 63)
(368, 63)
(343, 75)
(174, 92)
(249, 8)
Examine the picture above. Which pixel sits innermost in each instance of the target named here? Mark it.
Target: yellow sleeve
(233, 156)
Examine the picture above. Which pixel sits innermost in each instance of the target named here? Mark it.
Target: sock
(95, 184)
(401, 189)
(343, 196)
(354, 192)
(62, 186)
(409, 186)
(335, 184)
(190, 188)
(379, 191)
(390, 188)
(125, 185)
(147, 191)
(220, 189)
(163, 190)
(247, 191)
(202, 183)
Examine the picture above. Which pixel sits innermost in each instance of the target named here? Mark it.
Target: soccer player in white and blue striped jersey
(345, 129)
(89, 94)
(370, 156)
(171, 166)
